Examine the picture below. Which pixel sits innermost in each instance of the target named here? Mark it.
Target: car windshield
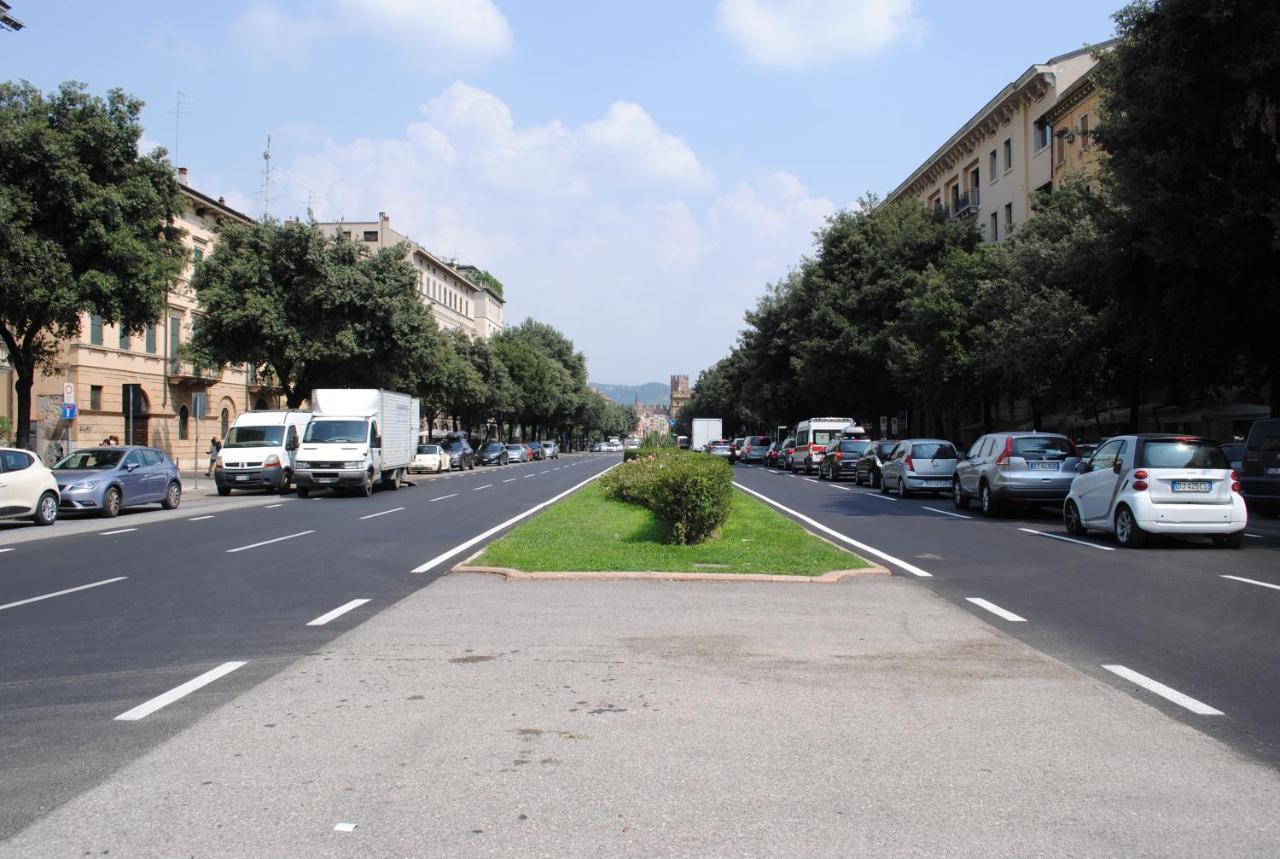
(762, 440)
(254, 437)
(854, 446)
(1234, 450)
(452, 446)
(885, 448)
(535, 444)
(1039, 447)
(321, 431)
(1183, 453)
(493, 447)
(428, 448)
(933, 450)
(515, 448)
(82, 459)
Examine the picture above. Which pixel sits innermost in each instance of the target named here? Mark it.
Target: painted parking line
(200, 518)
(1068, 539)
(269, 542)
(478, 488)
(1253, 582)
(337, 612)
(996, 610)
(871, 550)
(946, 512)
(269, 506)
(117, 531)
(383, 513)
(1169, 694)
(148, 707)
(443, 497)
(878, 497)
(62, 593)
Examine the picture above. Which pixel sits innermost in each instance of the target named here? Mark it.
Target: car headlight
(356, 464)
(82, 485)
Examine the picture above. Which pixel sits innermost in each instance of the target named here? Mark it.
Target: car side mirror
(1117, 468)
(131, 466)
(1082, 467)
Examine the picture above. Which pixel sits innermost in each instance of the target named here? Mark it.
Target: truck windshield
(254, 437)
(321, 431)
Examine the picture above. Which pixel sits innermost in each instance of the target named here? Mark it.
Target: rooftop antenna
(311, 201)
(268, 180)
(177, 112)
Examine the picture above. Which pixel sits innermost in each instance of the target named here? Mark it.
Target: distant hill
(651, 393)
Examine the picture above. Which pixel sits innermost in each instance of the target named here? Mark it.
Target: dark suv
(841, 458)
(459, 452)
(1260, 471)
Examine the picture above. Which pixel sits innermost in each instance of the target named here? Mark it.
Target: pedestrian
(113, 440)
(214, 446)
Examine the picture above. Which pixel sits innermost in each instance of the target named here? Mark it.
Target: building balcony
(966, 205)
(185, 373)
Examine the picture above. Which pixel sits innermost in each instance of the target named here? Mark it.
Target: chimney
(222, 200)
(182, 175)
(382, 216)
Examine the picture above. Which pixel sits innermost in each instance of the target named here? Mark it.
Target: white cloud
(611, 230)
(804, 33)
(433, 33)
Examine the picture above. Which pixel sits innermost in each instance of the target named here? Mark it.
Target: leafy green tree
(86, 224)
(480, 277)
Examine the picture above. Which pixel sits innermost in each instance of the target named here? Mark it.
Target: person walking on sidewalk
(214, 447)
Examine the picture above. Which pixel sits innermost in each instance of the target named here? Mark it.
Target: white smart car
(28, 490)
(1139, 485)
(428, 460)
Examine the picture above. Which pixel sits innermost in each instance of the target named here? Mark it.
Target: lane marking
(60, 593)
(527, 476)
(345, 827)
(148, 707)
(871, 550)
(443, 497)
(1197, 707)
(383, 513)
(200, 518)
(462, 547)
(811, 480)
(269, 542)
(877, 496)
(544, 472)
(996, 610)
(2, 551)
(510, 480)
(269, 506)
(1255, 536)
(1068, 540)
(946, 512)
(337, 612)
(117, 531)
(1254, 582)
(842, 488)
(478, 488)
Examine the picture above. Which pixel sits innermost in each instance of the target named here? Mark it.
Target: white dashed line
(1068, 540)
(60, 593)
(510, 480)
(147, 708)
(946, 512)
(269, 542)
(443, 497)
(1255, 536)
(269, 506)
(1254, 582)
(1197, 707)
(383, 513)
(2, 551)
(117, 531)
(878, 497)
(345, 827)
(996, 610)
(527, 476)
(200, 518)
(478, 488)
(337, 612)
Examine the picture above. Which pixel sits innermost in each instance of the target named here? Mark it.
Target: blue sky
(635, 173)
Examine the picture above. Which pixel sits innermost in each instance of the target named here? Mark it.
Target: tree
(482, 278)
(86, 224)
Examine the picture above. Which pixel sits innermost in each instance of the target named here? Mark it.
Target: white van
(812, 437)
(260, 451)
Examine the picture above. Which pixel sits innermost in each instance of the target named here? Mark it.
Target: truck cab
(260, 451)
(340, 452)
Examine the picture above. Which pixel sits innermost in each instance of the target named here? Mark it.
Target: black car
(868, 467)
(841, 458)
(1260, 471)
(459, 451)
(493, 453)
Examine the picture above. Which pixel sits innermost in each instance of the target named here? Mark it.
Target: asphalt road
(1168, 613)
(100, 619)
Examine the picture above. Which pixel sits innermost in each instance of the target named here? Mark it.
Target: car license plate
(242, 477)
(1191, 486)
(326, 480)
(937, 483)
(1273, 470)
(1043, 466)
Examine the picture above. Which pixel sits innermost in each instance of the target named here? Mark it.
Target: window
(125, 340)
(955, 197)
(1008, 154)
(346, 234)
(995, 227)
(974, 181)
(95, 397)
(1105, 457)
(1084, 131)
(1043, 135)
(197, 254)
(1062, 149)
(224, 422)
(15, 460)
(151, 338)
(1008, 218)
(95, 329)
(992, 171)
(151, 457)
(184, 423)
(370, 235)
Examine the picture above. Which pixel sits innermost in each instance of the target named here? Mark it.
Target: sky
(636, 174)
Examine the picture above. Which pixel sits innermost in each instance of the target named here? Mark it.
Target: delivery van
(260, 450)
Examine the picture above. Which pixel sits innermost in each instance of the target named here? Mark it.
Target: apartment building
(135, 386)
(455, 301)
(992, 166)
(1072, 121)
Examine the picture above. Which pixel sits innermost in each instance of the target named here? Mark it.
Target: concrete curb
(522, 576)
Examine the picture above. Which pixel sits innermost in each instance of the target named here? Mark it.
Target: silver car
(103, 480)
(919, 465)
(1008, 468)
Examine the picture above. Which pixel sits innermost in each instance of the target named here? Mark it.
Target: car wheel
(1071, 519)
(224, 491)
(366, 488)
(172, 496)
(958, 498)
(902, 487)
(287, 483)
(111, 503)
(987, 504)
(46, 510)
(884, 487)
(303, 491)
(1128, 534)
(875, 479)
(1229, 541)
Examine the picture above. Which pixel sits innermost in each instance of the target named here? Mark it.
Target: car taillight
(1003, 458)
(1235, 482)
(1140, 474)
(838, 456)
(1139, 483)
(911, 466)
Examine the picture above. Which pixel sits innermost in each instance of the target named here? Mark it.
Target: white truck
(260, 451)
(706, 430)
(357, 437)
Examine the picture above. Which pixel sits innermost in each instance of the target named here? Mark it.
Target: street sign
(68, 393)
(68, 411)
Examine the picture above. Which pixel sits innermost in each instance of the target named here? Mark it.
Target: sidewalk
(483, 717)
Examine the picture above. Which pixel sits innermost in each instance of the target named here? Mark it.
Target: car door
(132, 477)
(892, 468)
(17, 488)
(1095, 488)
(967, 471)
(157, 477)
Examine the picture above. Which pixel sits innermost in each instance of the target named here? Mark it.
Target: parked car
(682, 442)
(753, 448)
(537, 449)
(786, 453)
(841, 458)
(597, 447)
(737, 444)
(428, 459)
(493, 453)
(1138, 485)
(1009, 468)
(1260, 476)
(867, 469)
(771, 455)
(458, 452)
(104, 480)
(517, 453)
(1086, 449)
(28, 490)
(722, 448)
(1234, 452)
(551, 450)
(919, 465)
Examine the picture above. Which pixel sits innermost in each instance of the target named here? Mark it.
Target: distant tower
(680, 393)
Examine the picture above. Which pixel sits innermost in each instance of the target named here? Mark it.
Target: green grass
(589, 532)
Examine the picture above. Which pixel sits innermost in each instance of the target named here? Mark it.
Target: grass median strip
(589, 532)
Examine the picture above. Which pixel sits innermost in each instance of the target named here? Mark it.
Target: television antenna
(268, 181)
(179, 109)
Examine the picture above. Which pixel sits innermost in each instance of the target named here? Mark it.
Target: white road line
(946, 512)
(1255, 536)
(870, 550)
(510, 480)
(269, 506)
(1254, 582)
(117, 531)
(462, 547)
(877, 497)
(200, 518)
(337, 612)
(842, 488)
(60, 593)
(1197, 707)
(148, 707)
(811, 480)
(544, 472)
(478, 488)
(1068, 540)
(269, 542)
(2, 551)
(527, 476)
(996, 610)
(443, 497)
(383, 513)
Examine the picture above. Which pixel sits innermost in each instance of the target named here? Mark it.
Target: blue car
(103, 480)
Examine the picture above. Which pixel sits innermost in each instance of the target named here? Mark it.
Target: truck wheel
(392, 482)
(303, 491)
(224, 491)
(366, 488)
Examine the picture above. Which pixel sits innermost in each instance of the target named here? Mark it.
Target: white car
(1138, 485)
(552, 450)
(427, 459)
(28, 490)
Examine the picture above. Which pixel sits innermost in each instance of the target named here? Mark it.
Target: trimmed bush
(689, 494)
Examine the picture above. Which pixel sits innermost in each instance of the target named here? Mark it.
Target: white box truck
(357, 437)
(260, 451)
(706, 430)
